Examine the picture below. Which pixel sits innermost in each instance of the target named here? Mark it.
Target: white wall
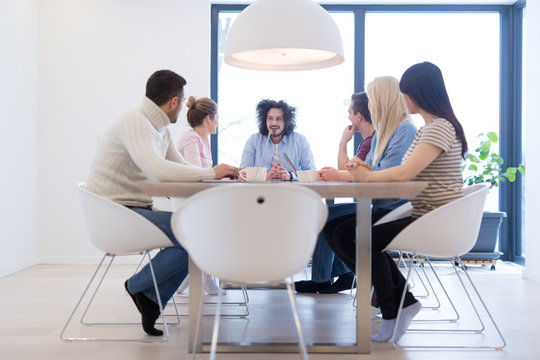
(18, 137)
(94, 59)
(532, 192)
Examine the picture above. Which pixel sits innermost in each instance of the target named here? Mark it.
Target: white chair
(447, 233)
(117, 230)
(257, 232)
(396, 214)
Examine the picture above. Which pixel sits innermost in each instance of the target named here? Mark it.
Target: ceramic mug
(308, 176)
(256, 174)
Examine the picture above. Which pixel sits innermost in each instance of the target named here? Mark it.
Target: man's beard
(276, 135)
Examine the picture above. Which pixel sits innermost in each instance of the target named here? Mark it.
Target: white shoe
(374, 312)
(211, 287)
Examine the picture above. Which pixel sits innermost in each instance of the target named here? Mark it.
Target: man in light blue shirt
(276, 136)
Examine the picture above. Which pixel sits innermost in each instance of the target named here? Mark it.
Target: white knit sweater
(139, 147)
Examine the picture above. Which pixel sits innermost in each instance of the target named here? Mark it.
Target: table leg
(195, 294)
(363, 275)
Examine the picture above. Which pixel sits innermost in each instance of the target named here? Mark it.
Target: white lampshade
(284, 35)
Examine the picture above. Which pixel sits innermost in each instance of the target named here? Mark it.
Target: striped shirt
(445, 182)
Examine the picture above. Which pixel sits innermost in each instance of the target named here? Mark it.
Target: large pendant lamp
(284, 35)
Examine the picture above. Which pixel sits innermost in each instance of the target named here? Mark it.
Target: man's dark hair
(289, 114)
(163, 85)
(360, 105)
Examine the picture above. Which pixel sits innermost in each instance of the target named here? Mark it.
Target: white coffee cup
(308, 176)
(257, 174)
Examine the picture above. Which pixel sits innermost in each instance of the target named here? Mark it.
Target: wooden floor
(36, 302)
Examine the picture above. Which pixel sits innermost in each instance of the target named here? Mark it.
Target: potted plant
(484, 165)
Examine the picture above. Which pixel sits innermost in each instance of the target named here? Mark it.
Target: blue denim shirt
(397, 146)
(259, 149)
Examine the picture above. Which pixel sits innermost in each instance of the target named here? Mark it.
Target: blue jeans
(325, 264)
(170, 264)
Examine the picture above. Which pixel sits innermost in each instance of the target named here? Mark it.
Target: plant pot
(484, 248)
(489, 231)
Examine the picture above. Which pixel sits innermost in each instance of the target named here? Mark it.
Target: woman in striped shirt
(434, 156)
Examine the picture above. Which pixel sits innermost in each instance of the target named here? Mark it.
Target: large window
(474, 46)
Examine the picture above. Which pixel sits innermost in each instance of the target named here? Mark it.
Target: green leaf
(492, 137)
(485, 165)
(473, 158)
(485, 146)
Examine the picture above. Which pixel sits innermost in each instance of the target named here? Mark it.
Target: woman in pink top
(195, 148)
(194, 144)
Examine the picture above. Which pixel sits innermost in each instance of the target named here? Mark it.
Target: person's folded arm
(347, 135)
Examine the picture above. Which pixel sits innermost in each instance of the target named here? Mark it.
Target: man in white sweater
(139, 147)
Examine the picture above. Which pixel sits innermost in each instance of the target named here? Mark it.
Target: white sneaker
(374, 312)
(211, 287)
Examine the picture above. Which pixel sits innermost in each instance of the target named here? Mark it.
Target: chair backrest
(398, 213)
(448, 231)
(117, 230)
(250, 232)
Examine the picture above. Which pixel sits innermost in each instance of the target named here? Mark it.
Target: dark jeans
(386, 278)
(170, 264)
(325, 265)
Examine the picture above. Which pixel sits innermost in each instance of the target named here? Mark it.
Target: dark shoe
(310, 287)
(132, 296)
(344, 282)
(149, 313)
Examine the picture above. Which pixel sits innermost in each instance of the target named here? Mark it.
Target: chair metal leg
(483, 303)
(301, 343)
(153, 340)
(461, 331)
(94, 295)
(400, 308)
(92, 323)
(453, 320)
(353, 286)
(243, 303)
(79, 302)
(158, 296)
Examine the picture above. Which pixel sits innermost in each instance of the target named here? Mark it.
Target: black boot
(344, 282)
(311, 287)
(149, 312)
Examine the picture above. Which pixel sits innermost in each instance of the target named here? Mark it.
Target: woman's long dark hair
(289, 114)
(424, 84)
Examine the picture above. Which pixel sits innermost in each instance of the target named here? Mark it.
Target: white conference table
(363, 193)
